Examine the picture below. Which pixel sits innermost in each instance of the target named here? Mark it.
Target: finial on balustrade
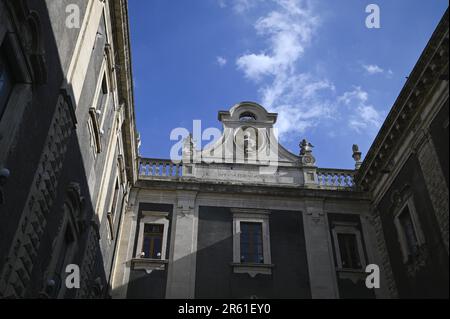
(188, 148)
(306, 157)
(356, 156)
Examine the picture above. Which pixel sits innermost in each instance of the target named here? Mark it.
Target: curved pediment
(248, 137)
(240, 110)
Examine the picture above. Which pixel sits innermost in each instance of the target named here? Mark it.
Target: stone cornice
(241, 189)
(123, 67)
(430, 70)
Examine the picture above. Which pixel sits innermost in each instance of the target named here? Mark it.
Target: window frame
(161, 234)
(251, 243)
(114, 205)
(103, 98)
(153, 217)
(251, 216)
(149, 264)
(98, 111)
(67, 224)
(20, 94)
(404, 247)
(348, 228)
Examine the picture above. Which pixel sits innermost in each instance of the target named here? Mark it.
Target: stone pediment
(247, 152)
(248, 137)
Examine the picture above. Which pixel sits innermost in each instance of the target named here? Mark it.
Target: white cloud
(362, 114)
(356, 95)
(390, 73)
(241, 6)
(221, 61)
(302, 100)
(373, 69)
(256, 65)
(288, 30)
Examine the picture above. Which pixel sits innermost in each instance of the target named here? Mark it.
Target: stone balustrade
(166, 169)
(159, 168)
(335, 178)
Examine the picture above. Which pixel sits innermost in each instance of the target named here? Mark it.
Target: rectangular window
(153, 241)
(115, 196)
(409, 231)
(103, 94)
(348, 247)
(251, 243)
(112, 212)
(6, 83)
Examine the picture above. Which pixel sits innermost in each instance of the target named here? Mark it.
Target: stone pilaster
(125, 248)
(377, 251)
(435, 182)
(182, 262)
(322, 273)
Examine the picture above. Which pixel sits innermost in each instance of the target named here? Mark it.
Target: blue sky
(331, 79)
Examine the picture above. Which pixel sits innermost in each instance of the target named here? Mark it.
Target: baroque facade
(245, 218)
(241, 218)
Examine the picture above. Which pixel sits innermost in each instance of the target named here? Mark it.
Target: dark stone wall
(66, 38)
(149, 286)
(431, 281)
(25, 154)
(72, 172)
(440, 136)
(214, 274)
(79, 165)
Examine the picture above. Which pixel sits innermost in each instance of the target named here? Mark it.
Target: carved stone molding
(317, 217)
(252, 269)
(29, 31)
(148, 265)
(418, 262)
(16, 273)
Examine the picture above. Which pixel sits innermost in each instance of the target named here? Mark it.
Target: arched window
(247, 117)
